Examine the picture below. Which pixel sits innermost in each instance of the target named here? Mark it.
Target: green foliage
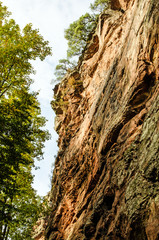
(99, 5)
(21, 135)
(3, 12)
(16, 51)
(22, 211)
(78, 35)
(64, 66)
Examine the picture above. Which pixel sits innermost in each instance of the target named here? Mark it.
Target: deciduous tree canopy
(21, 134)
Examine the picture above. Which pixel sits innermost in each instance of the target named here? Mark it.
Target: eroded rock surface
(106, 179)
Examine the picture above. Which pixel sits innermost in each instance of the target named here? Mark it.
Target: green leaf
(21, 127)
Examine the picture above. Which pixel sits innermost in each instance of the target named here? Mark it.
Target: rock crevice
(106, 179)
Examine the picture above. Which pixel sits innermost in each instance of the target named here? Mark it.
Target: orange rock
(106, 175)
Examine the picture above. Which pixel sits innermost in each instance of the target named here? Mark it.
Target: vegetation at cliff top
(78, 35)
(21, 135)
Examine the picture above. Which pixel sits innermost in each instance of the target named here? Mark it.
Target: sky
(51, 17)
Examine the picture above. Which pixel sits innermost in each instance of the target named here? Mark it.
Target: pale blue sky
(51, 17)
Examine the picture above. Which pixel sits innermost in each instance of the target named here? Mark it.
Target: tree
(99, 5)
(16, 51)
(24, 210)
(21, 135)
(64, 66)
(78, 34)
(21, 141)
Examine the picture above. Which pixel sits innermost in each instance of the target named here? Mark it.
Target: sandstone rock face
(106, 179)
(39, 229)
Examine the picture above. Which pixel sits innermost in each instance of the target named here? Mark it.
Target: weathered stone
(106, 179)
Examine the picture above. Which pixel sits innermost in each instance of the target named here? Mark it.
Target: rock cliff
(106, 179)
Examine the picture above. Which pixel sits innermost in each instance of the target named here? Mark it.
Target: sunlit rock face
(105, 183)
(38, 230)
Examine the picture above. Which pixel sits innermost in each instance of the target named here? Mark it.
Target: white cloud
(51, 17)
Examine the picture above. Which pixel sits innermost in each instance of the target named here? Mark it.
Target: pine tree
(64, 66)
(78, 35)
(99, 5)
